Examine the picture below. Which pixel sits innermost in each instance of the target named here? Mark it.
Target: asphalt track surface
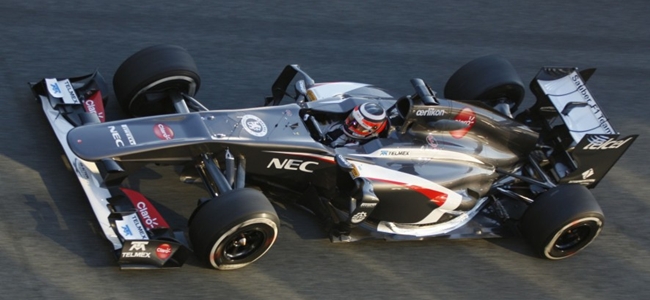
(50, 244)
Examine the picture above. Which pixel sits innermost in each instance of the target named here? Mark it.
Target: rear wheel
(144, 81)
(562, 221)
(234, 229)
(491, 79)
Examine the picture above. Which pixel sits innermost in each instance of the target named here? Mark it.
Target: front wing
(138, 233)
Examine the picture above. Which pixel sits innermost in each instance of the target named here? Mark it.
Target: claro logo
(149, 220)
(291, 164)
(163, 131)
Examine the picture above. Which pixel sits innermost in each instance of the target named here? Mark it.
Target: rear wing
(576, 125)
(574, 103)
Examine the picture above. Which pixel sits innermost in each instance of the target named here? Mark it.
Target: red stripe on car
(436, 197)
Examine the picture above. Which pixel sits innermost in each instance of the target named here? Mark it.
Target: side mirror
(301, 90)
(343, 163)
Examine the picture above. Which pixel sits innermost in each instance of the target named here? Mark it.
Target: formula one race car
(463, 168)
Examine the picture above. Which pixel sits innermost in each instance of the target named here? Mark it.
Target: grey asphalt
(50, 244)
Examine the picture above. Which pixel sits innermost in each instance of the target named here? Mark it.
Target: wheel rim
(573, 237)
(141, 105)
(242, 244)
(228, 253)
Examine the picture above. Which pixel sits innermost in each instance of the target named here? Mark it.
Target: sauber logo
(291, 164)
(582, 89)
(163, 131)
(605, 143)
(466, 116)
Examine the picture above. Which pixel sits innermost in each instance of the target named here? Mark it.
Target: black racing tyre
(142, 81)
(562, 221)
(235, 229)
(489, 78)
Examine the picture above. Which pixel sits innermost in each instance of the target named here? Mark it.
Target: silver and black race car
(462, 168)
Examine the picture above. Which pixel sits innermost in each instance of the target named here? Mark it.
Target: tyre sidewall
(549, 250)
(218, 219)
(148, 66)
(553, 212)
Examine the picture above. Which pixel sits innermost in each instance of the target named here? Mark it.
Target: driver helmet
(365, 121)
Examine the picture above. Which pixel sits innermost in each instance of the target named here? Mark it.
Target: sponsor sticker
(254, 125)
(393, 153)
(138, 246)
(595, 109)
(94, 105)
(150, 217)
(431, 141)
(583, 182)
(164, 251)
(62, 89)
(431, 112)
(116, 136)
(136, 254)
(291, 164)
(80, 169)
(368, 205)
(149, 220)
(138, 225)
(358, 217)
(53, 87)
(127, 230)
(466, 116)
(163, 131)
(130, 228)
(600, 142)
(129, 135)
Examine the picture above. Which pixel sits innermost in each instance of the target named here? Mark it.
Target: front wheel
(562, 221)
(234, 230)
(144, 81)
